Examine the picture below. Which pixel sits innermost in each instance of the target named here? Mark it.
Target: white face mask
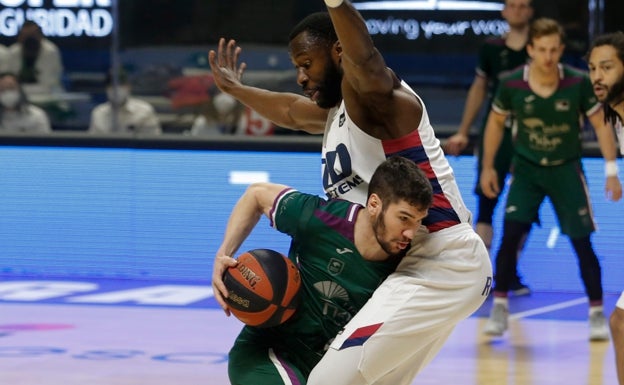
(10, 98)
(120, 98)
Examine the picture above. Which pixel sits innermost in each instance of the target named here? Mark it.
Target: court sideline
(132, 332)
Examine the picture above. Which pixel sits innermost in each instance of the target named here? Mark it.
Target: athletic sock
(595, 309)
(502, 301)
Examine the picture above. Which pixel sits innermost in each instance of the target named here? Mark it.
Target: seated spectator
(133, 115)
(16, 113)
(220, 116)
(4, 56)
(36, 60)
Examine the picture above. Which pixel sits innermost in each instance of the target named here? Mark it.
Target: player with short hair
(606, 71)
(497, 55)
(547, 100)
(343, 251)
(367, 114)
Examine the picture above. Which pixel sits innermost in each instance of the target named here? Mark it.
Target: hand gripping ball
(263, 288)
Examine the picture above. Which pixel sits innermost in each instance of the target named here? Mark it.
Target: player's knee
(616, 323)
(338, 368)
(347, 376)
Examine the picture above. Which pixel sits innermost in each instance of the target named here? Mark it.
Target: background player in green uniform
(343, 251)
(497, 55)
(606, 71)
(547, 100)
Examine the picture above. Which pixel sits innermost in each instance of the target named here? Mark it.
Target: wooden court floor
(72, 344)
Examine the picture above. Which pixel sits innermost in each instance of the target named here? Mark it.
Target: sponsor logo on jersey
(341, 120)
(562, 105)
(335, 298)
(511, 209)
(338, 176)
(344, 250)
(335, 266)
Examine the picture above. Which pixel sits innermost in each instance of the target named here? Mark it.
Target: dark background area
(160, 39)
(200, 23)
(193, 22)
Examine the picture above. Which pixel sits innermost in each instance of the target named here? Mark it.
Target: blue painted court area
(199, 295)
(107, 292)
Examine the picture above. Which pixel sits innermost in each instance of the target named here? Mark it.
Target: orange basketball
(263, 288)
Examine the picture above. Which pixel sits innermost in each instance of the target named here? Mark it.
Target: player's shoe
(497, 323)
(518, 288)
(598, 330)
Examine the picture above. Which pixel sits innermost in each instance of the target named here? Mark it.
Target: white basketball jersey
(350, 157)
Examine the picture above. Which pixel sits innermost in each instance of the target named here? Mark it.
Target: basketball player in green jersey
(343, 251)
(547, 100)
(496, 56)
(606, 71)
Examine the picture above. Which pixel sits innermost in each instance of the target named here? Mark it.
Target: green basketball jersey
(548, 130)
(336, 280)
(496, 58)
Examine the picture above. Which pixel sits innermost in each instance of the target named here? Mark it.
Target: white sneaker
(598, 330)
(497, 323)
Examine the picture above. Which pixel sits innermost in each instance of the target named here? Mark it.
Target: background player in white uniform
(367, 115)
(606, 71)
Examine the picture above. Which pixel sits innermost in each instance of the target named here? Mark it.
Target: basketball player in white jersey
(368, 114)
(606, 71)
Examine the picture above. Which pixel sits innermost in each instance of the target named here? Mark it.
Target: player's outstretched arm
(258, 199)
(373, 95)
(285, 109)
(364, 67)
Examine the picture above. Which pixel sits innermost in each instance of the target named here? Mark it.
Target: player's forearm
(363, 66)
(352, 32)
(492, 138)
(605, 135)
(280, 108)
(606, 142)
(474, 100)
(244, 217)
(257, 200)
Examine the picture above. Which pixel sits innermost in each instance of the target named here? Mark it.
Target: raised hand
(456, 144)
(489, 183)
(226, 70)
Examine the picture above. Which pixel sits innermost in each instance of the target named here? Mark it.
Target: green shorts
(564, 185)
(259, 357)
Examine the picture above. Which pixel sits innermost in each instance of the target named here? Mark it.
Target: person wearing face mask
(122, 113)
(36, 60)
(4, 55)
(16, 113)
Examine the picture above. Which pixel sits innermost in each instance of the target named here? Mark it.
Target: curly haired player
(606, 71)
(367, 114)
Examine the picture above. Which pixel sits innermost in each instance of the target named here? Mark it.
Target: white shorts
(445, 278)
(620, 302)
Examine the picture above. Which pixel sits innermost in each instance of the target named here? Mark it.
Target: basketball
(263, 288)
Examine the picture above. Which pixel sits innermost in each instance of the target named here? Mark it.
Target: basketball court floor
(78, 332)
